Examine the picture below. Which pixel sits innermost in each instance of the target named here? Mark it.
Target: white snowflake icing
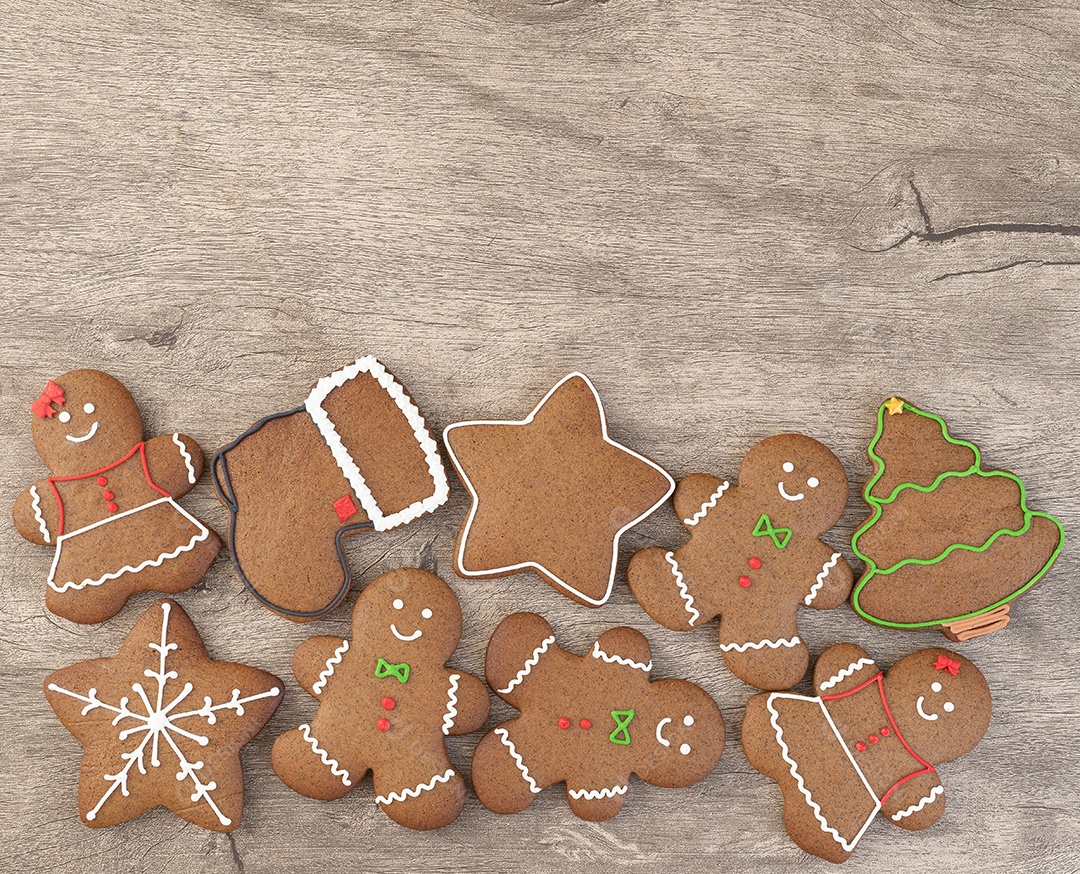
(157, 725)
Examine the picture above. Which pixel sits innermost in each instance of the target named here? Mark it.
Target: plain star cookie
(947, 543)
(108, 508)
(867, 743)
(754, 556)
(162, 724)
(552, 493)
(588, 721)
(355, 456)
(387, 702)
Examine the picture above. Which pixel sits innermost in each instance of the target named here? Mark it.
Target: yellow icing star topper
(894, 405)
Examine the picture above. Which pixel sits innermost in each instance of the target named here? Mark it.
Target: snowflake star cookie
(868, 742)
(753, 558)
(109, 507)
(162, 724)
(387, 702)
(552, 493)
(589, 721)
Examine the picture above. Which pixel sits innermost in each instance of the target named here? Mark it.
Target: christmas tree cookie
(947, 542)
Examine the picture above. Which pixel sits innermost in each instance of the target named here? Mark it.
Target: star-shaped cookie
(162, 724)
(552, 493)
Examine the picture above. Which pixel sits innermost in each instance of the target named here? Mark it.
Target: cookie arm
(624, 647)
(916, 804)
(467, 703)
(36, 514)
(175, 462)
(316, 660)
(831, 585)
(517, 652)
(696, 496)
(841, 668)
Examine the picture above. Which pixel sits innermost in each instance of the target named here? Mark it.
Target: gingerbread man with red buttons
(109, 507)
(754, 556)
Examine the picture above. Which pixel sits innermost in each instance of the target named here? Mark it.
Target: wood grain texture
(737, 218)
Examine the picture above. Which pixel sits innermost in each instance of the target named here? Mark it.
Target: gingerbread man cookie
(867, 743)
(162, 724)
(589, 722)
(387, 701)
(109, 506)
(753, 557)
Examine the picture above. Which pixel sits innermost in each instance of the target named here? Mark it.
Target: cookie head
(84, 420)
(940, 701)
(407, 613)
(795, 479)
(682, 734)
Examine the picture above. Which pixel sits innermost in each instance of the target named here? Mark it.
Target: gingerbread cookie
(552, 493)
(753, 557)
(589, 722)
(947, 542)
(866, 743)
(109, 506)
(387, 701)
(357, 455)
(162, 724)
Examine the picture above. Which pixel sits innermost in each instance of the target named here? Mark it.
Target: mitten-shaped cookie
(589, 722)
(866, 743)
(357, 455)
(754, 556)
(387, 701)
(108, 507)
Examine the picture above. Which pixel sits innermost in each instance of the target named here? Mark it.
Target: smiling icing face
(83, 421)
(931, 715)
(408, 617)
(812, 482)
(795, 480)
(681, 736)
(684, 748)
(408, 637)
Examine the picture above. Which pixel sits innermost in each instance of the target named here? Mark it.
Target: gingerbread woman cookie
(162, 724)
(589, 722)
(387, 701)
(109, 506)
(753, 557)
(868, 742)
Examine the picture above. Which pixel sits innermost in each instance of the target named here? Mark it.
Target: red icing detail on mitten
(344, 507)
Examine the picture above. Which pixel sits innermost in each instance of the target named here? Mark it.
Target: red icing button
(101, 481)
(112, 506)
(744, 582)
(885, 732)
(107, 495)
(874, 738)
(388, 703)
(344, 507)
(564, 722)
(383, 724)
(755, 562)
(586, 724)
(860, 746)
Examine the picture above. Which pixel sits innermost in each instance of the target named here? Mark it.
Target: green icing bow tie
(386, 669)
(764, 528)
(621, 734)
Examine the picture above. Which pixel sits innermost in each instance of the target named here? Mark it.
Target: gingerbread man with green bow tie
(754, 556)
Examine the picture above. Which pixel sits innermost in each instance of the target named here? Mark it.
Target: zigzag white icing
(451, 704)
(504, 736)
(187, 458)
(328, 672)
(814, 589)
(593, 794)
(415, 791)
(695, 614)
(36, 503)
(761, 644)
(612, 659)
(708, 505)
(845, 673)
(915, 808)
(335, 767)
(529, 664)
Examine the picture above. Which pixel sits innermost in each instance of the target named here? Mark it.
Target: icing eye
(948, 707)
(88, 408)
(426, 613)
(935, 687)
(813, 482)
(688, 720)
(398, 603)
(685, 749)
(788, 467)
(64, 417)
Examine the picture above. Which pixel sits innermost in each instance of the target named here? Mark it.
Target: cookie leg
(770, 656)
(596, 803)
(306, 766)
(662, 589)
(424, 803)
(501, 777)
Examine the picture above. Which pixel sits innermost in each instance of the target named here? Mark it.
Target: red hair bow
(944, 663)
(53, 394)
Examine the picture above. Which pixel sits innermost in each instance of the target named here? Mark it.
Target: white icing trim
(825, 568)
(332, 764)
(915, 808)
(614, 659)
(85, 437)
(708, 505)
(197, 537)
(529, 664)
(761, 644)
(684, 591)
(660, 739)
(320, 684)
(369, 364)
(504, 736)
(451, 704)
(463, 571)
(36, 504)
(407, 638)
(187, 458)
(594, 794)
(415, 791)
(794, 770)
(845, 673)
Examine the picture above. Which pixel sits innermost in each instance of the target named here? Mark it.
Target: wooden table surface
(737, 218)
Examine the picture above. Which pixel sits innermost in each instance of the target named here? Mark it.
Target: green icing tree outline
(877, 504)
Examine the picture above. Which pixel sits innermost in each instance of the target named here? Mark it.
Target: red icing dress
(117, 521)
